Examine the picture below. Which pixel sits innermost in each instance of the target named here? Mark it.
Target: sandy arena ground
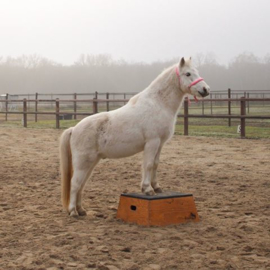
(228, 177)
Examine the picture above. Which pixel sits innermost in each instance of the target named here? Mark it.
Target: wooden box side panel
(173, 211)
(133, 210)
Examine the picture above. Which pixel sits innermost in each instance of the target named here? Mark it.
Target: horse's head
(190, 80)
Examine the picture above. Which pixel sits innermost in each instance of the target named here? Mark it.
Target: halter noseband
(193, 83)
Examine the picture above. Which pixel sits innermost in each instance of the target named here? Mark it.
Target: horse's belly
(121, 151)
(120, 148)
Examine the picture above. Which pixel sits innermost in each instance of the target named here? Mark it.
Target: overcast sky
(134, 30)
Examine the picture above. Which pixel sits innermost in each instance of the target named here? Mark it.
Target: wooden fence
(95, 105)
(57, 113)
(242, 116)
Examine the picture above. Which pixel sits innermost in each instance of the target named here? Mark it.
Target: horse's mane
(167, 76)
(165, 79)
(163, 73)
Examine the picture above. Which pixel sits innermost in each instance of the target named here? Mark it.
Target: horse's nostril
(204, 92)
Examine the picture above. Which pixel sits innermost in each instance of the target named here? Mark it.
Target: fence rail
(242, 116)
(59, 114)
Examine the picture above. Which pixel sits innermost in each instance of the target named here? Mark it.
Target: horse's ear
(190, 58)
(182, 62)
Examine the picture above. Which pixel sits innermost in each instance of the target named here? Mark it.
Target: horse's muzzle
(204, 92)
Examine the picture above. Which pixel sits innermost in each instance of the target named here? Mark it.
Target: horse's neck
(166, 89)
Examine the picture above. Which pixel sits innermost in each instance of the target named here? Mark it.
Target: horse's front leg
(150, 151)
(154, 183)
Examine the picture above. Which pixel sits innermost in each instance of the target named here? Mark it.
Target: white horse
(145, 123)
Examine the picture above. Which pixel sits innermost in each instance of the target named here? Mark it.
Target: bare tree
(90, 73)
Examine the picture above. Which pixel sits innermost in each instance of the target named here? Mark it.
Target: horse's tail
(65, 166)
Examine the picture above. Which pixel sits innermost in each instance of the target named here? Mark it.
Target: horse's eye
(188, 74)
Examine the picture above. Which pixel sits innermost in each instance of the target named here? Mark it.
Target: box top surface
(159, 196)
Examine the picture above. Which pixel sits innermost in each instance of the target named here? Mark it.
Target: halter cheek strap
(177, 73)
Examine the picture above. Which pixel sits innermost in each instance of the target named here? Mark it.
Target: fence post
(75, 106)
(6, 107)
(108, 103)
(95, 103)
(24, 112)
(243, 120)
(229, 107)
(36, 106)
(211, 104)
(57, 117)
(28, 103)
(95, 107)
(248, 102)
(186, 117)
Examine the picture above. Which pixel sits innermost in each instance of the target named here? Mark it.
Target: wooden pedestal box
(159, 210)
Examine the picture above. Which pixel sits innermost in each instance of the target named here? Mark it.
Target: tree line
(101, 73)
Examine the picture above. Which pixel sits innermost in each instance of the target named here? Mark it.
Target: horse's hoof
(158, 190)
(73, 213)
(82, 212)
(148, 190)
(150, 193)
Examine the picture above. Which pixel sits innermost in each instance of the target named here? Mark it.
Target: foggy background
(122, 45)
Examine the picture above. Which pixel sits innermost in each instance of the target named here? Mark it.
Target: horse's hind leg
(79, 207)
(79, 178)
(150, 151)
